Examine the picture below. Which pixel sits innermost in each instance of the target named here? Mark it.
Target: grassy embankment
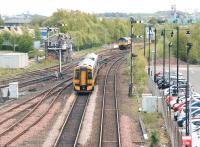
(153, 121)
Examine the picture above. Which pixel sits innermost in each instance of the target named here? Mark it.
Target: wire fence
(172, 129)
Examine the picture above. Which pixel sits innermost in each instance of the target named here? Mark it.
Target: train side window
(89, 75)
(77, 75)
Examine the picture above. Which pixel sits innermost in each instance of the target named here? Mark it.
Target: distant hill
(143, 16)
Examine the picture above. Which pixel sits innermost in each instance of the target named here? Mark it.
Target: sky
(47, 7)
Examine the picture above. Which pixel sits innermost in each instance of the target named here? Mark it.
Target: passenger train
(124, 43)
(85, 74)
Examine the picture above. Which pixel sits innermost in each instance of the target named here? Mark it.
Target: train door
(83, 79)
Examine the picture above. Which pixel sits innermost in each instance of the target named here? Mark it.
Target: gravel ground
(34, 116)
(51, 138)
(37, 129)
(129, 124)
(94, 138)
(86, 131)
(37, 135)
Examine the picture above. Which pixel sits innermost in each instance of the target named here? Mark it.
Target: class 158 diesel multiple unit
(85, 74)
(124, 43)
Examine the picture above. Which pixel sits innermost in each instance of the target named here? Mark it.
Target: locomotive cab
(84, 75)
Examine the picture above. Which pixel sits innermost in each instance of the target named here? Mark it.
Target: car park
(177, 102)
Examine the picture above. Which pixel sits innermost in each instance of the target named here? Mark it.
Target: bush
(154, 139)
(139, 73)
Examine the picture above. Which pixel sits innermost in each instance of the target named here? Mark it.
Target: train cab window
(77, 75)
(89, 75)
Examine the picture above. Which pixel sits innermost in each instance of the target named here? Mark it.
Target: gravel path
(129, 124)
(37, 129)
(86, 131)
(51, 138)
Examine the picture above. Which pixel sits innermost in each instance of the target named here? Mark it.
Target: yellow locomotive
(85, 74)
(124, 43)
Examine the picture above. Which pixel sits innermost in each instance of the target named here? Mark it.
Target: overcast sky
(47, 7)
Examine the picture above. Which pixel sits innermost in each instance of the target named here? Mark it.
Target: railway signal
(132, 21)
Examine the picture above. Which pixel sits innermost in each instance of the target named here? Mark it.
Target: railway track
(5, 135)
(70, 131)
(41, 75)
(20, 127)
(34, 77)
(10, 113)
(42, 72)
(71, 128)
(110, 127)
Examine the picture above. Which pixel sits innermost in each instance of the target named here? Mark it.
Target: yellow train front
(85, 74)
(124, 43)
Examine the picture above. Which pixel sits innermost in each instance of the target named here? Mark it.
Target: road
(194, 72)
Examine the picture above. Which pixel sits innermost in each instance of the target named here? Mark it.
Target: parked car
(194, 114)
(178, 108)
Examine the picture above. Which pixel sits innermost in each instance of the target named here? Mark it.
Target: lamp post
(163, 34)
(188, 48)
(155, 43)
(177, 58)
(170, 46)
(149, 51)
(131, 84)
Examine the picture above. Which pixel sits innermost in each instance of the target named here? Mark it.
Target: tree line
(86, 29)
(16, 42)
(194, 38)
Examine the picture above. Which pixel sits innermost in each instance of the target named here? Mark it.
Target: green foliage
(87, 30)
(1, 21)
(5, 73)
(154, 139)
(139, 74)
(37, 20)
(24, 43)
(37, 33)
(194, 56)
(153, 21)
(36, 52)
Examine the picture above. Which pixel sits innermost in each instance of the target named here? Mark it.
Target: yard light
(132, 21)
(163, 34)
(188, 48)
(150, 29)
(155, 49)
(170, 46)
(187, 95)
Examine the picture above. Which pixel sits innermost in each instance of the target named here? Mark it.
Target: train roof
(92, 56)
(126, 38)
(89, 60)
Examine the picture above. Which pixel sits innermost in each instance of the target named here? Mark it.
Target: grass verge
(153, 121)
(86, 51)
(8, 73)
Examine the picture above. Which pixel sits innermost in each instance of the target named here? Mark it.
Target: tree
(153, 21)
(154, 139)
(37, 33)
(37, 20)
(87, 30)
(25, 43)
(1, 21)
